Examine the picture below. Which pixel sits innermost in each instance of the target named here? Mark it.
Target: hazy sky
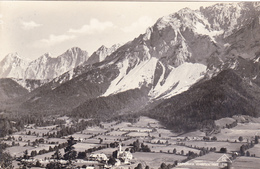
(34, 28)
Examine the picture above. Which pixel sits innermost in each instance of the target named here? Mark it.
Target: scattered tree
(223, 150)
(240, 138)
(256, 140)
(111, 161)
(163, 166)
(139, 166)
(214, 138)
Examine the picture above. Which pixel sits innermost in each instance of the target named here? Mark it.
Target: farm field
(169, 148)
(218, 145)
(246, 162)
(255, 150)
(83, 146)
(154, 160)
(247, 130)
(160, 141)
(17, 150)
(93, 130)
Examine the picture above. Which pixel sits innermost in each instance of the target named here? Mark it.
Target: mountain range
(188, 69)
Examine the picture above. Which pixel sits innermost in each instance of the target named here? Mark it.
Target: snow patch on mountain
(201, 29)
(178, 81)
(257, 60)
(141, 74)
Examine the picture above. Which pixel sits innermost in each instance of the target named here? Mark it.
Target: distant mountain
(13, 66)
(45, 67)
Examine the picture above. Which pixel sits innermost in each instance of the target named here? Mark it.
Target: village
(143, 144)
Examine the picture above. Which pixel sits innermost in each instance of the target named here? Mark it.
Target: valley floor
(192, 150)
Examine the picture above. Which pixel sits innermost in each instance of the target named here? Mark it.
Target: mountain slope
(105, 108)
(62, 95)
(225, 95)
(30, 84)
(10, 89)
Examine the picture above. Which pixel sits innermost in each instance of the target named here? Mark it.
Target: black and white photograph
(130, 84)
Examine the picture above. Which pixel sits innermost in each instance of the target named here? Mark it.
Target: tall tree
(256, 140)
(70, 153)
(57, 155)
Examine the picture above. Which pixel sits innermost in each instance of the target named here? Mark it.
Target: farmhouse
(98, 157)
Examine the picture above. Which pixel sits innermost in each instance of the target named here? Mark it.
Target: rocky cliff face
(179, 49)
(101, 54)
(13, 66)
(45, 67)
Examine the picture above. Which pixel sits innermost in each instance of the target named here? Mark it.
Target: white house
(98, 157)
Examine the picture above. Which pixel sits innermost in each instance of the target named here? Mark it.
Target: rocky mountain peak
(74, 50)
(13, 57)
(102, 53)
(12, 65)
(44, 67)
(102, 48)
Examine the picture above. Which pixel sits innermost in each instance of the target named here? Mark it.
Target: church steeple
(119, 148)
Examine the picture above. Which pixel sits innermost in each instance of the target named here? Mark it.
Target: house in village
(98, 157)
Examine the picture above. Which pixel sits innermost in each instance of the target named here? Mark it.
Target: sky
(33, 28)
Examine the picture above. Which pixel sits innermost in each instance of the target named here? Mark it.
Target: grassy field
(246, 163)
(230, 146)
(79, 136)
(255, 150)
(137, 134)
(164, 133)
(154, 160)
(107, 151)
(165, 148)
(18, 150)
(247, 130)
(83, 146)
(116, 133)
(109, 139)
(196, 133)
(222, 122)
(121, 125)
(94, 130)
(146, 121)
(59, 140)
